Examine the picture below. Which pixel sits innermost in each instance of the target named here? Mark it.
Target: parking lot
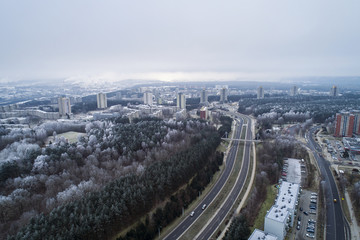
(305, 224)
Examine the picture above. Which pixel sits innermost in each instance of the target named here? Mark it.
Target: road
(335, 220)
(188, 221)
(227, 206)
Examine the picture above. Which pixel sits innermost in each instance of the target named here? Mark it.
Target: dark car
(306, 213)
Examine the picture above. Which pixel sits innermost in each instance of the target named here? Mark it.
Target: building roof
(260, 235)
(287, 197)
(278, 213)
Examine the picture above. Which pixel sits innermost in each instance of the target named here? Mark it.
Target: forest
(98, 186)
(296, 109)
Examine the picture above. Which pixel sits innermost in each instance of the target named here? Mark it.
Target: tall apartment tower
(64, 106)
(101, 100)
(181, 100)
(203, 96)
(334, 91)
(344, 124)
(223, 95)
(356, 121)
(294, 91)
(148, 98)
(260, 93)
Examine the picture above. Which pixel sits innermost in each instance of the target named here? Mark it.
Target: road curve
(335, 220)
(188, 221)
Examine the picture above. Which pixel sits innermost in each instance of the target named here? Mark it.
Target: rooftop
(287, 196)
(278, 213)
(260, 235)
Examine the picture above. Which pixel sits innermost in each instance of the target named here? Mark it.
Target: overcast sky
(229, 39)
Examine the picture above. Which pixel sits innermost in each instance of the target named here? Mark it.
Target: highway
(188, 221)
(228, 204)
(336, 223)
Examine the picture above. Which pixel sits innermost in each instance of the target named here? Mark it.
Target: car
(299, 222)
(310, 235)
(312, 221)
(298, 227)
(306, 213)
(192, 213)
(314, 194)
(312, 212)
(204, 206)
(299, 218)
(310, 230)
(335, 200)
(301, 209)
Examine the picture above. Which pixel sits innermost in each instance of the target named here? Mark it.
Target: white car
(192, 213)
(204, 206)
(310, 235)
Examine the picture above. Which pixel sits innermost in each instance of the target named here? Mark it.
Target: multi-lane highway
(228, 204)
(188, 221)
(336, 225)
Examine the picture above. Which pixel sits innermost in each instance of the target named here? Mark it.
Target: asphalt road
(220, 216)
(335, 221)
(188, 221)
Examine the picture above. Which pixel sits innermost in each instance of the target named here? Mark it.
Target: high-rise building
(223, 95)
(204, 113)
(118, 96)
(148, 98)
(294, 91)
(181, 100)
(101, 100)
(334, 91)
(64, 106)
(260, 93)
(203, 96)
(356, 121)
(344, 124)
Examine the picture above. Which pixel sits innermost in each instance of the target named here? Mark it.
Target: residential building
(64, 106)
(281, 216)
(204, 113)
(356, 114)
(223, 95)
(148, 98)
(260, 235)
(334, 91)
(181, 100)
(260, 93)
(203, 96)
(344, 124)
(294, 91)
(101, 100)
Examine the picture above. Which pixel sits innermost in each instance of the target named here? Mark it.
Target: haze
(178, 40)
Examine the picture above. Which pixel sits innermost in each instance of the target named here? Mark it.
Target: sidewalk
(355, 230)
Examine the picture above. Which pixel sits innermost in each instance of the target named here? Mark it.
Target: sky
(178, 40)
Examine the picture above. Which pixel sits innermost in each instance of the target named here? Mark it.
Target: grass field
(71, 136)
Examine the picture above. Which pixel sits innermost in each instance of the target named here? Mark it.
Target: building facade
(294, 91)
(101, 100)
(148, 98)
(204, 113)
(223, 95)
(356, 122)
(64, 106)
(344, 124)
(203, 96)
(181, 100)
(260, 92)
(334, 91)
